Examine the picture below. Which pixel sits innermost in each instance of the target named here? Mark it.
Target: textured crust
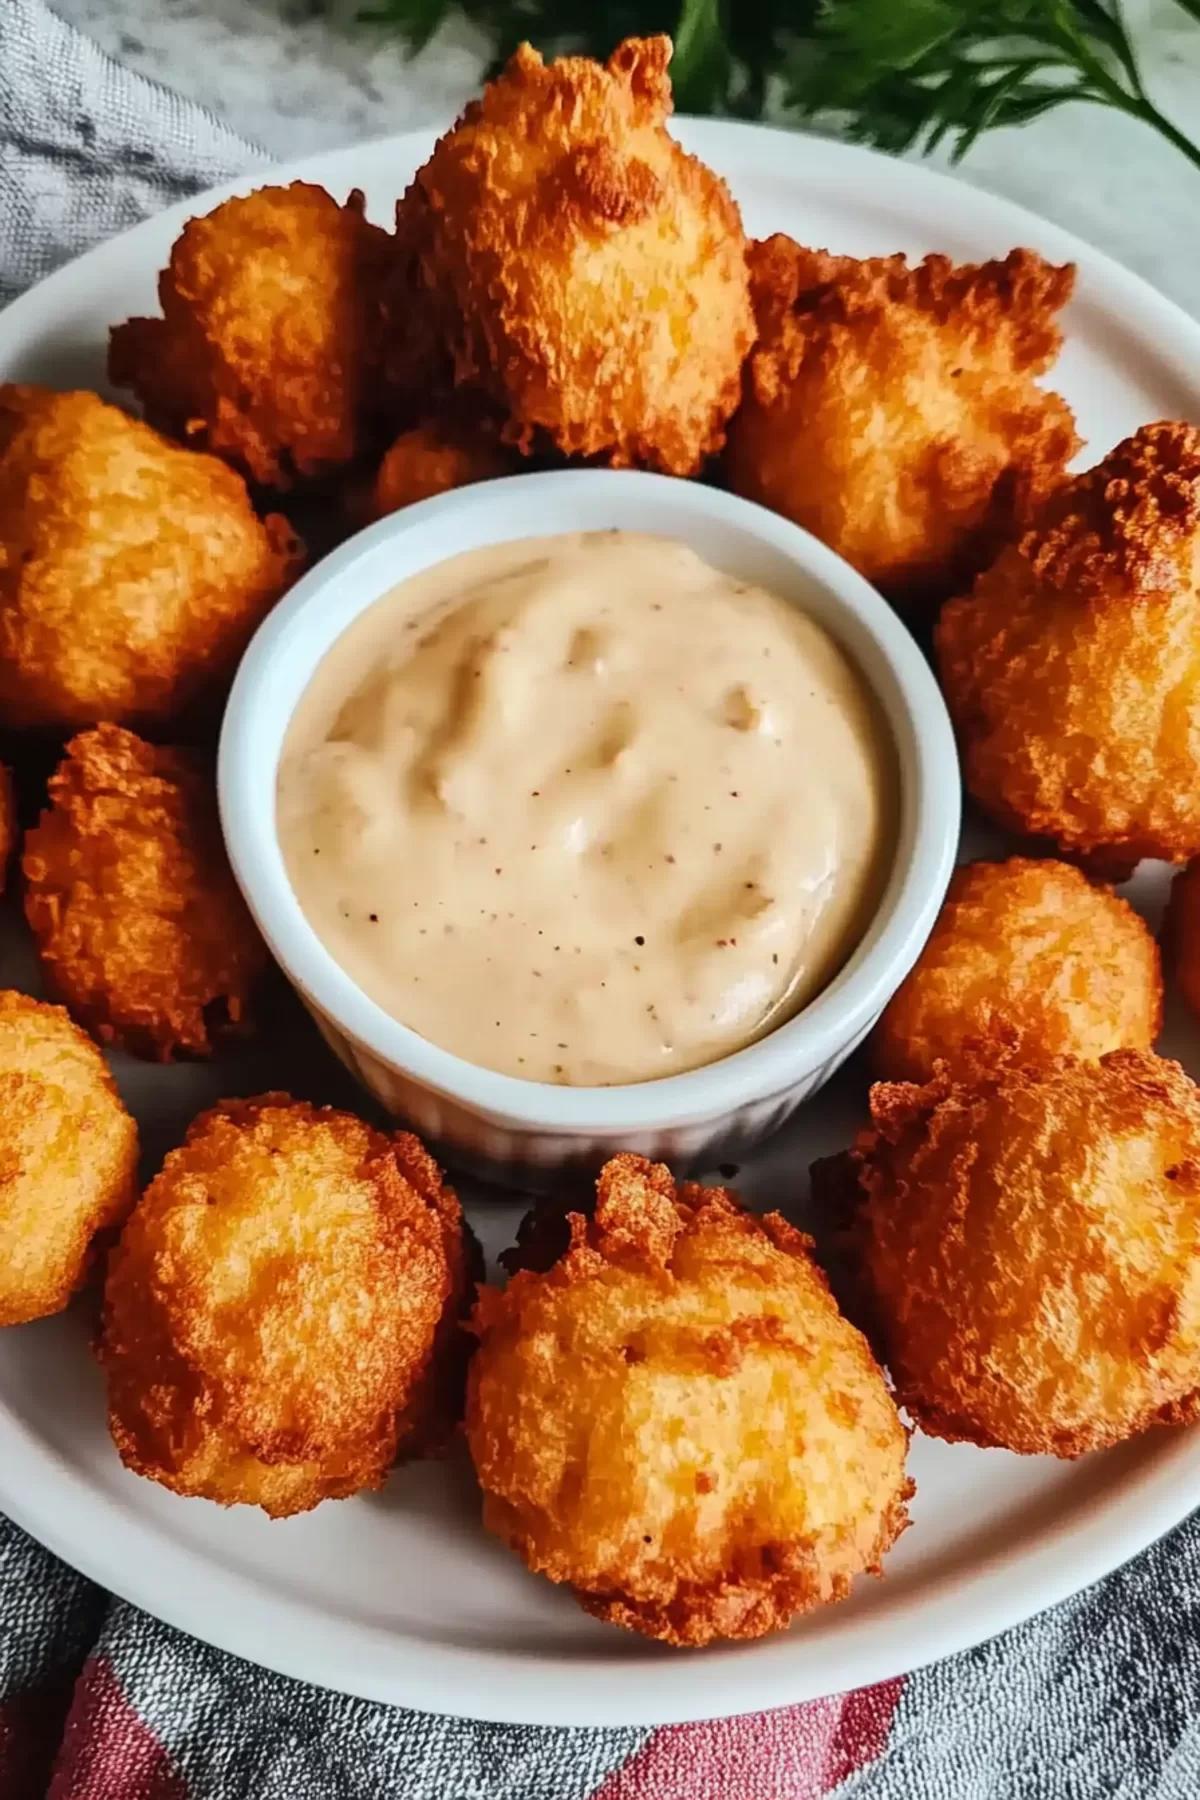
(674, 1418)
(268, 348)
(68, 1157)
(583, 270)
(132, 573)
(1072, 670)
(894, 412)
(1028, 958)
(139, 922)
(429, 460)
(1029, 1247)
(281, 1314)
(1118, 532)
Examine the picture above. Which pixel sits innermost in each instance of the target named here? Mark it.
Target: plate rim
(142, 1563)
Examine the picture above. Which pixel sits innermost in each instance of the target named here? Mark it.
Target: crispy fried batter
(1025, 957)
(132, 573)
(1073, 669)
(1030, 1249)
(139, 922)
(416, 365)
(429, 460)
(587, 273)
(675, 1419)
(68, 1157)
(893, 411)
(267, 350)
(280, 1319)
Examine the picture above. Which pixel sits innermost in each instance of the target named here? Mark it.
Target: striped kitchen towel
(1097, 1700)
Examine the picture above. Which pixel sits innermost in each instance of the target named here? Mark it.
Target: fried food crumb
(1029, 1250)
(68, 1156)
(589, 275)
(674, 1418)
(1027, 958)
(894, 411)
(281, 1313)
(138, 920)
(1072, 670)
(429, 460)
(132, 573)
(267, 349)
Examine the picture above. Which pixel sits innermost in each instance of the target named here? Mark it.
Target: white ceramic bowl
(524, 1129)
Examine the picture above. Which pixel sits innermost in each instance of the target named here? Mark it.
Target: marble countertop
(295, 77)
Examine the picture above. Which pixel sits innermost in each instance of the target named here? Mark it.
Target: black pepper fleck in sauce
(580, 826)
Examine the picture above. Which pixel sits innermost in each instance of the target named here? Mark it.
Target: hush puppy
(416, 366)
(267, 347)
(138, 920)
(894, 411)
(427, 461)
(132, 573)
(1027, 958)
(1072, 671)
(588, 275)
(1029, 1250)
(675, 1419)
(68, 1157)
(281, 1313)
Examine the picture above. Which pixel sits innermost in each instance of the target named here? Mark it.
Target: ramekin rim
(925, 849)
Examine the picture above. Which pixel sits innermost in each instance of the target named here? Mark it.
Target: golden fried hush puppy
(1072, 671)
(132, 573)
(1029, 1247)
(68, 1156)
(138, 920)
(267, 348)
(1181, 934)
(893, 411)
(587, 273)
(427, 461)
(281, 1313)
(1027, 958)
(676, 1420)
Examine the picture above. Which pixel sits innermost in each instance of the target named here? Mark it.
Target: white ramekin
(523, 1129)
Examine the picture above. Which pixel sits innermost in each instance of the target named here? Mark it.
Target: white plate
(400, 1596)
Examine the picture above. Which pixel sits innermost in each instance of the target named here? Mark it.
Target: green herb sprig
(726, 51)
(899, 74)
(919, 72)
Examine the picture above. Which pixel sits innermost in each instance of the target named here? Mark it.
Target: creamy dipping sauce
(583, 809)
